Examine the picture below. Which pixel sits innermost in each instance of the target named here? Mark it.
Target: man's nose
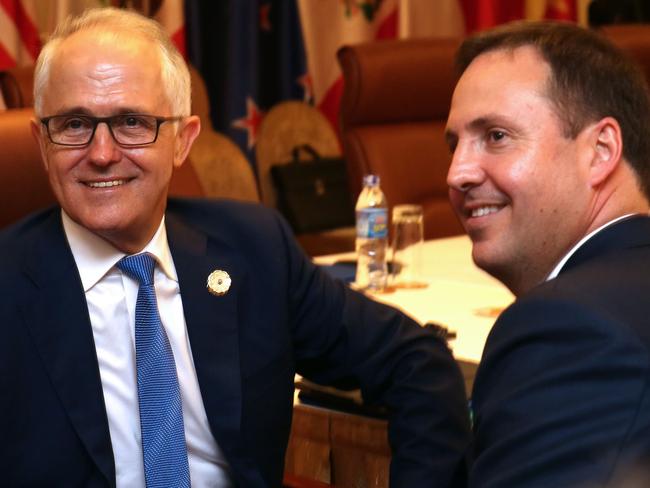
(103, 148)
(465, 170)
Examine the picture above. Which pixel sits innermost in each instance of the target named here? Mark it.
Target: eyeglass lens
(128, 129)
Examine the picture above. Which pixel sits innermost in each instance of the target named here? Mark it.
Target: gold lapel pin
(219, 282)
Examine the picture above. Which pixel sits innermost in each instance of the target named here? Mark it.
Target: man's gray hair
(118, 23)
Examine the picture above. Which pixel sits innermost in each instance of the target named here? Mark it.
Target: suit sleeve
(556, 397)
(344, 339)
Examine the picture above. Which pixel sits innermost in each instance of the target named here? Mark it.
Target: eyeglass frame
(98, 120)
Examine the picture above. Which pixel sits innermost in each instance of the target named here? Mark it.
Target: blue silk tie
(161, 410)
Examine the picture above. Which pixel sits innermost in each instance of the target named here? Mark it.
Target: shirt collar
(95, 257)
(560, 265)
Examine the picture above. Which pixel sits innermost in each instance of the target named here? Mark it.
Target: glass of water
(407, 239)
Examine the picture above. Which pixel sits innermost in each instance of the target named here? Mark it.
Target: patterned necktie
(161, 411)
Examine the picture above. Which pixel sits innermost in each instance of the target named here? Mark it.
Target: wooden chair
(222, 168)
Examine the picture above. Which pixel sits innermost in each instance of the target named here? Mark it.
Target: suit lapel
(57, 318)
(212, 325)
(627, 233)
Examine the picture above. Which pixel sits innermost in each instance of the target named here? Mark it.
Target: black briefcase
(313, 194)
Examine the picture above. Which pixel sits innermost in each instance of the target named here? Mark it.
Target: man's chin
(486, 256)
(102, 224)
(105, 226)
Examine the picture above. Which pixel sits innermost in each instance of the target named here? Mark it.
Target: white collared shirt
(560, 265)
(111, 297)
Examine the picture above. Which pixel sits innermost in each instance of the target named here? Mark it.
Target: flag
(251, 57)
(326, 26)
(482, 14)
(257, 53)
(561, 10)
(19, 36)
(19, 39)
(170, 14)
(26, 24)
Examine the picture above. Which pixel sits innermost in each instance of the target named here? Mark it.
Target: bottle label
(372, 223)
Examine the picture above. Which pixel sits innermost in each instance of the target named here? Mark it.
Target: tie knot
(139, 267)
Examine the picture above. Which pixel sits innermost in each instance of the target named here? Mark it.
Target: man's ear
(36, 127)
(606, 140)
(188, 131)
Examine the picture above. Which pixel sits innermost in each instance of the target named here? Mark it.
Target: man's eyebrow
(481, 123)
(130, 110)
(74, 111)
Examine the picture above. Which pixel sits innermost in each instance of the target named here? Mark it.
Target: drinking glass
(408, 236)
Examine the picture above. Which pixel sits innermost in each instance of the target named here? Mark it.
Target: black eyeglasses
(126, 129)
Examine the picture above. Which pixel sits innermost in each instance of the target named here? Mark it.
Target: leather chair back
(12, 91)
(24, 182)
(394, 109)
(634, 39)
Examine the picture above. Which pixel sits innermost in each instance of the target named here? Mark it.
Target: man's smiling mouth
(105, 184)
(482, 211)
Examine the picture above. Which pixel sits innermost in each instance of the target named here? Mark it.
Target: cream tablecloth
(459, 295)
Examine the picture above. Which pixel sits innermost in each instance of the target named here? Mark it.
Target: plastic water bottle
(372, 236)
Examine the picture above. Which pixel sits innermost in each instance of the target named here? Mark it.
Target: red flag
(347, 22)
(171, 16)
(482, 14)
(19, 40)
(561, 10)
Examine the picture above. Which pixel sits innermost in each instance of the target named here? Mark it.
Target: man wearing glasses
(154, 343)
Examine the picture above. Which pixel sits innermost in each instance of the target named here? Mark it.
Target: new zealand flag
(251, 56)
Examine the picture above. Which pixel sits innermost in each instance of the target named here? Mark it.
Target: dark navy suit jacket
(562, 398)
(281, 315)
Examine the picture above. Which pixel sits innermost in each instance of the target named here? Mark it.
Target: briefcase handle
(295, 153)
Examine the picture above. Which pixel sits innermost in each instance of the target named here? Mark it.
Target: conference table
(350, 448)
(458, 295)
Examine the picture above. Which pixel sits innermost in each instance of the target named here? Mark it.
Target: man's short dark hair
(590, 79)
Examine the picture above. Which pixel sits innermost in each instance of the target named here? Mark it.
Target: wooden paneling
(344, 450)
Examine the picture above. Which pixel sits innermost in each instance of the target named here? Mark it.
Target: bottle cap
(371, 180)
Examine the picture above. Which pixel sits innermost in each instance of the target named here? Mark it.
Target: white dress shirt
(560, 265)
(111, 297)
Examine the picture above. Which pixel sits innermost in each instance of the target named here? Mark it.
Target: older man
(118, 365)
(549, 128)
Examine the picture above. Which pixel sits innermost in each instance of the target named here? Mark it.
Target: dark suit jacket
(561, 398)
(281, 315)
